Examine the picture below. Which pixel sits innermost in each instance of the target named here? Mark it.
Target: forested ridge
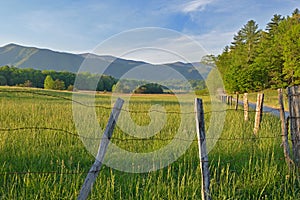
(260, 59)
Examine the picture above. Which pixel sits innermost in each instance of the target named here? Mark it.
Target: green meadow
(42, 156)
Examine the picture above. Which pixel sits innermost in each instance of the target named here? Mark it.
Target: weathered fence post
(237, 101)
(284, 130)
(95, 169)
(258, 114)
(224, 98)
(229, 100)
(246, 107)
(294, 108)
(204, 165)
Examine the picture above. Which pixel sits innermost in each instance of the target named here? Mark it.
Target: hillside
(45, 59)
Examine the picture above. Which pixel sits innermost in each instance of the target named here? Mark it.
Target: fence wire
(125, 110)
(139, 139)
(9, 129)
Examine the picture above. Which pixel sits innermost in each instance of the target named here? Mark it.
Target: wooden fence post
(237, 101)
(95, 169)
(258, 114)
(204, 165)
(284, 131)
(294, 108)
(229, 100)
(246, 107)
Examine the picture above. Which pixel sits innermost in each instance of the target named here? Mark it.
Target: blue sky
(79, 26)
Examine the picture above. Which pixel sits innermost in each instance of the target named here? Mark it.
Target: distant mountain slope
(45, 59)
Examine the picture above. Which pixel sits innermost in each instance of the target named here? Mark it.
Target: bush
(49, 82)
(203, 92)
(28, 83)
(71, 88)
(151, 88)
(59, 85)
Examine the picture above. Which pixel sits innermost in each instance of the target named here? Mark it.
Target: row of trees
(166, 86)
(136, 86)
(259, 59)
(50, 79)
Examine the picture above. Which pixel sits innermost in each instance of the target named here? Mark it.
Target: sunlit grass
(241, 166)
(270, 98)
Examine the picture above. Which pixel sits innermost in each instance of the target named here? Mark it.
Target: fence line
(125, 110)
(139, 139)
(253, 138)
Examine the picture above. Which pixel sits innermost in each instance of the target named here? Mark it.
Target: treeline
(260, 59)
(50, 79)
(167, 86)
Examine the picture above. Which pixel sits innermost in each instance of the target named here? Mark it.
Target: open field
(270, 98)
(41, 156)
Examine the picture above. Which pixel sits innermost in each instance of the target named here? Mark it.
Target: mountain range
(46, 59)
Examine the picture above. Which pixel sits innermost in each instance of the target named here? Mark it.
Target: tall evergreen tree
(269, 55)
(262, 59)
(290, 42)
(238, 59)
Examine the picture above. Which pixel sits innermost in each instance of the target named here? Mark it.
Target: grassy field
(270, 98)
(55, 162)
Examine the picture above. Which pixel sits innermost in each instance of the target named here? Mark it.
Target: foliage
(203, 92)
(49, 82)
(208, 60)
(70, 88)
(88, 81)
(167, 86)
(138, 87)
(61, 80)
(258, 60)
(27, 83)
(3, 80)
(151, 88)
(12, 76)
(59, 85)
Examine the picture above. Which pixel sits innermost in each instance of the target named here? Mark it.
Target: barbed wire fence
(131, 111)
(63, 131)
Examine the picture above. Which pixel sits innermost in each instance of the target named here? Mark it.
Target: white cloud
(186, 7)
(196, 5)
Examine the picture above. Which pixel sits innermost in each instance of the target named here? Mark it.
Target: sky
(80, 26)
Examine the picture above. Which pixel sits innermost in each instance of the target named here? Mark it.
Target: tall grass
(270, 98)
(242, 166)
